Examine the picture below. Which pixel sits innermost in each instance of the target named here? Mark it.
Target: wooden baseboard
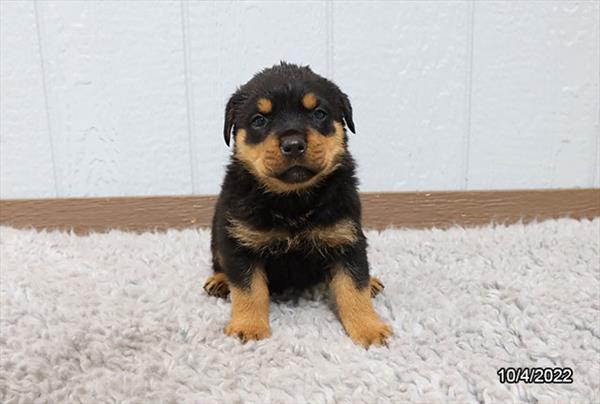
(380, 210)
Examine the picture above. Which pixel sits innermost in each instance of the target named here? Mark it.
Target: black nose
(292, 145)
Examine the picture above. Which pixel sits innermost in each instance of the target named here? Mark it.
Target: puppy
(289, 215)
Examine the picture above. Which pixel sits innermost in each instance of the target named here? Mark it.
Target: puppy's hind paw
(217, 285)
(376, 286)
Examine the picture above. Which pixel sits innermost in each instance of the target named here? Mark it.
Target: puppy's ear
(230, 113)
(347, 111)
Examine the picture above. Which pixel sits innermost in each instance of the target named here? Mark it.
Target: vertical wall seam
(188, 91)
(329, 51)
(468, 92)
(57, 185)
(596, 174)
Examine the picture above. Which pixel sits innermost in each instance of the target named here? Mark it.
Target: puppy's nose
(292, 145)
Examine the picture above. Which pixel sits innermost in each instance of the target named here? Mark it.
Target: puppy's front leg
(250, 307)
(356, 311)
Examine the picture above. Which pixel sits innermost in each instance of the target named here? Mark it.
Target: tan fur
(356, 311)
(309, 101)
(341, 234)
(250, 309)
(325, 151)
(254, 238)
(264, 105)
(265, 161)
(262, 159)
(376, 286)
(217, 285)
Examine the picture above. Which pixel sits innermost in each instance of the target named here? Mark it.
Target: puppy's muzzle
(293, 145)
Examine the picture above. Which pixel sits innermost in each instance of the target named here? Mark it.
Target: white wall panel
(25, 149)
(535, 95)
(117, 96)
(404, 66)
(228, 43)
(127, 97)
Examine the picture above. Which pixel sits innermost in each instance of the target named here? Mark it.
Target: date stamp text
(535, 375)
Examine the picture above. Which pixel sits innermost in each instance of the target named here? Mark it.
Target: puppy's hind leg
(217, 284)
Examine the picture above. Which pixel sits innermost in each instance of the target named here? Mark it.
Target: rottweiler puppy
(289, 215)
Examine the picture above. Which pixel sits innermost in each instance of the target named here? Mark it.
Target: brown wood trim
(472, 208)
(380, 210)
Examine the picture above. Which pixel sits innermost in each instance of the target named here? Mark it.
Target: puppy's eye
(258, 121)
(320, 114)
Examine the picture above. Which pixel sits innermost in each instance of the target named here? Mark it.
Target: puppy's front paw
(369, 332)
(248, 330)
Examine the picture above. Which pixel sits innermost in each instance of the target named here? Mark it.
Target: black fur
(244, 197)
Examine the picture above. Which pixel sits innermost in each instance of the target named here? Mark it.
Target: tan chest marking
(341, 234)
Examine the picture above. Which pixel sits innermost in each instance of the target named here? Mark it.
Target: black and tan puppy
(289, 215)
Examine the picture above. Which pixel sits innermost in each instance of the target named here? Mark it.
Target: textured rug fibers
(122, 317)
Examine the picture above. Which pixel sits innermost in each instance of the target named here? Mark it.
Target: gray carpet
(121, 317)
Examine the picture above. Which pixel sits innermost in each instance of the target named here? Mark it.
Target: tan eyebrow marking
(264, 105)
(309, 101)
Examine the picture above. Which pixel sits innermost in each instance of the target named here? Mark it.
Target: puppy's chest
(298, 235)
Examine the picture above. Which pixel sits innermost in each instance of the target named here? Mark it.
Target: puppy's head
(288, 124)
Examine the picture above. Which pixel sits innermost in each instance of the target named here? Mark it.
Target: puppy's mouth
(296, 174)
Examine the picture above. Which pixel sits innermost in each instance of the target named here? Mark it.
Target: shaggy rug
(122, 317)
